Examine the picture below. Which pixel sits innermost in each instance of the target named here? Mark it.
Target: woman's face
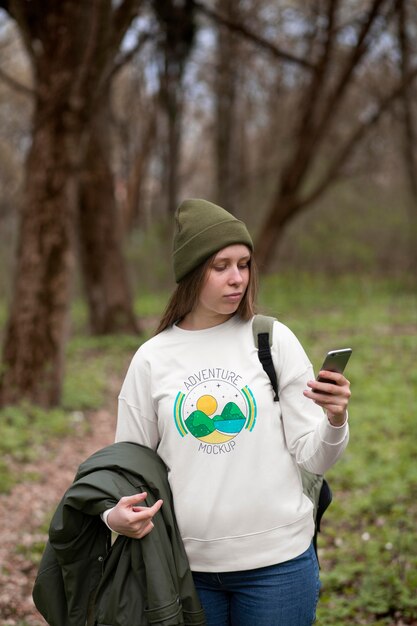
(225, 284)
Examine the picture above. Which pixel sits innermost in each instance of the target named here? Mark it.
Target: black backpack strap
(324, 502)
(315, 486)
(262, 332)
(325, 499)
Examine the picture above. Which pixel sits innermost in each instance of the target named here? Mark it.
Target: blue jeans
(279, 595)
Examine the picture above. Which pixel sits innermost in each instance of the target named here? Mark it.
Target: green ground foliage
(26, 430)
(368, 544)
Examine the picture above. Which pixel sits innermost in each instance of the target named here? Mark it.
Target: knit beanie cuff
(203, 229)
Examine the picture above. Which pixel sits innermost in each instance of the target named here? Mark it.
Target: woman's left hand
(333, 397)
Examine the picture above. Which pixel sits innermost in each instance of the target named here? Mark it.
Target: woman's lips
(233, 297)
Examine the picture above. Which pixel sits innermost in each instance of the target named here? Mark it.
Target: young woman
(196, 393)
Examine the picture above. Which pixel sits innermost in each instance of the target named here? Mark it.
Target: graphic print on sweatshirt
(214, 408)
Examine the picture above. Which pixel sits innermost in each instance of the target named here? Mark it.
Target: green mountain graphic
(230, 412)
(200, 425)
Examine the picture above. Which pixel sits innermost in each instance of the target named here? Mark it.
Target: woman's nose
(235, 276)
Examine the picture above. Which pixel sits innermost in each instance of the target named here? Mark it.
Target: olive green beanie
(201, 229)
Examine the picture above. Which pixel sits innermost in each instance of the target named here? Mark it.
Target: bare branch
(312, 132)
(352, 63)
(253, 37)
(121, 19)
(311, 100)
(95, 19)
(409, 134)
(357, 135)
(123, 15)
(142, 39)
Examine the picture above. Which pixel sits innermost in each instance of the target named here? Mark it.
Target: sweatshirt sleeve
(136, 417)
(315, 444)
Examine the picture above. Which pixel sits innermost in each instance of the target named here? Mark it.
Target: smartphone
(335, 361)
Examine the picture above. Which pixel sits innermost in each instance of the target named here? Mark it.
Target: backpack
(315, 486)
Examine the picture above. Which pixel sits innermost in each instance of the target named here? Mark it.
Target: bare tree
(409, 131)
(134, 120)
(72, 46)
(328, 58)
(101, 228)
(318, 106)
(225, 92)
(177, 33)
(100, 234)
(104, 270)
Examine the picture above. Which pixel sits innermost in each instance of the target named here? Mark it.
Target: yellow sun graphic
(207, 404)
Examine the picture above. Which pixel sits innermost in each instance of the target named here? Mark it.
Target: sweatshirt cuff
(104, 517)
(333, 435)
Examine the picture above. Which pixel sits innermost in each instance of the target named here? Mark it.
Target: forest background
(300, 118)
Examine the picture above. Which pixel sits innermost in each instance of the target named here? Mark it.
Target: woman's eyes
(221, 268)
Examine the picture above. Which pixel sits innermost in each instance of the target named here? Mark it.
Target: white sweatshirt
(203, 401)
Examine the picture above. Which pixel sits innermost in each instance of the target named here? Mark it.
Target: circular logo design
(215, 411)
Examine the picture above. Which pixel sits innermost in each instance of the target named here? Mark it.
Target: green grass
(368, 544)
(90, 362)
(24, 429)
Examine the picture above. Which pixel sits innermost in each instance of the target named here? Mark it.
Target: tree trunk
(409, 136)
(282, 211)
(100, 237)
(225, 95)
(177, 30)
(174, 112)
(133, 213)
(72, 46)
(35, 334)
(172, 105)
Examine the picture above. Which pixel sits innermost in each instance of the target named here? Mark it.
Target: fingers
(131, 519)
(339, 387)
(148, 510)
(335, 377)
(129, 501)
(332, 396)
(146, 529)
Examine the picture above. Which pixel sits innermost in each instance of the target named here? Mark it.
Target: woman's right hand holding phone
(331, 391)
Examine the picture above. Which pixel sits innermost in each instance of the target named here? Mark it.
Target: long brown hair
(187, 292)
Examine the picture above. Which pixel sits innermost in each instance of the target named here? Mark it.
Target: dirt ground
(27, 507)
(24, 511)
